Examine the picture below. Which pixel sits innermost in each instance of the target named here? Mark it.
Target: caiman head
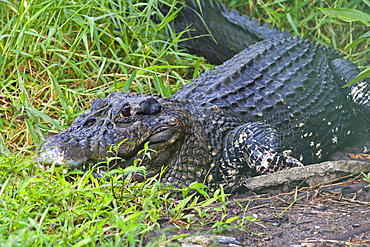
(135, 118)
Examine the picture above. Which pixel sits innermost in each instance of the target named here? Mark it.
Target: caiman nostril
(89, 122)
(110, 126)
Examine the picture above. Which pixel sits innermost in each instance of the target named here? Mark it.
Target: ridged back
(288, 83)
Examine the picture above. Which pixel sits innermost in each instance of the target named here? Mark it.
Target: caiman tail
(218, 34)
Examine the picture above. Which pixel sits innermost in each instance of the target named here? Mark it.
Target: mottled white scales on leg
(255, 146)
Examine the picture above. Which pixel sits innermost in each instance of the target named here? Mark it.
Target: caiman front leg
(254, 149)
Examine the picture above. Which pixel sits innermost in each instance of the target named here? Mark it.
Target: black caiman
(275, 102)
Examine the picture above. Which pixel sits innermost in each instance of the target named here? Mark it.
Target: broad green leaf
(357, 41)
(365, 73)
(229, 220)
(347, 14)
(42, 115)
(134, 169)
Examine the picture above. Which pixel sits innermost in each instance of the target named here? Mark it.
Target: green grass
(366, 177)
(56, 56)
(49, 208)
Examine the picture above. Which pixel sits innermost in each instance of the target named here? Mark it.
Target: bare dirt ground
(326, 216)
(330, 215)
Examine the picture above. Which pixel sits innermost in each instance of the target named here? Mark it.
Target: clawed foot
(273, 162)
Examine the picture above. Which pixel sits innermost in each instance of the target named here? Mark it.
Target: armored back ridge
(277, 103)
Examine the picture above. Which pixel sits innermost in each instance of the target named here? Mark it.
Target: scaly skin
(275, 105)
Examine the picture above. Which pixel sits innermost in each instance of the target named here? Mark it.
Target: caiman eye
(125, 114)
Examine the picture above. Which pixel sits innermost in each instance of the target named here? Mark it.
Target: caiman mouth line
(120, 162)
(102, 167)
